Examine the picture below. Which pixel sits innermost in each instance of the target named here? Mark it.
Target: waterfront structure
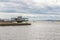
(19, 19)
(14, 21)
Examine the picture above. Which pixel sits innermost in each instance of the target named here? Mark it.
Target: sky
(32, 17)
(45, 7)
(30, 6)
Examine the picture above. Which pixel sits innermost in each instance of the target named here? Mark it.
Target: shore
(13, 24)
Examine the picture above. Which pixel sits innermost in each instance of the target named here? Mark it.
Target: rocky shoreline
(13, 24)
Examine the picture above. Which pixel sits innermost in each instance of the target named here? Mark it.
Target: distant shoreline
(44, 20)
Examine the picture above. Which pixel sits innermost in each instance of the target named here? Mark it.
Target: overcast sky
(31, 7)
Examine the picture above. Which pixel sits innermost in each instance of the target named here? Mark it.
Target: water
(39, 30)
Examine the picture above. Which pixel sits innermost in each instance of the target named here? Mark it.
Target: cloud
(30, 6)
(30, 16)
(43, 9)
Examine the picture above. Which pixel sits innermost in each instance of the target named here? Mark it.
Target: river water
(39, 30)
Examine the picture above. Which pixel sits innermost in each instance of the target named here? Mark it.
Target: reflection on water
(42, 30)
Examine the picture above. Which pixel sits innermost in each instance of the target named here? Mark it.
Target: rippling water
(39, 30)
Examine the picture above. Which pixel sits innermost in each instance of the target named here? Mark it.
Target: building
(19, 19)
